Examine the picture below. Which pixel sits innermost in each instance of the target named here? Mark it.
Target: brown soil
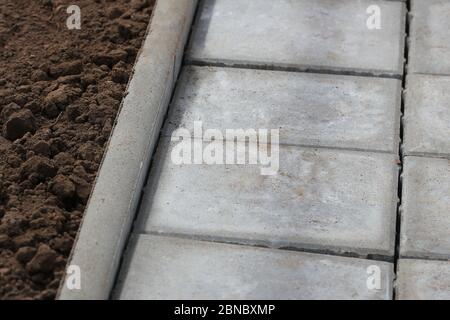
(60, 91)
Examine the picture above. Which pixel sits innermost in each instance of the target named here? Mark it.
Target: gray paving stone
(423, 280)
(344, 201)
(425, 226)
(171, 268)
(309, 109)
(429, 34)
(306, 34)
(427, 115)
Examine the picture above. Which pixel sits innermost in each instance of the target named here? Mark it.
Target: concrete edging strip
(112, 205)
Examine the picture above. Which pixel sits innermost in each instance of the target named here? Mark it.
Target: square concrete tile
(309, 109)
(429, 37)
(344, 201)
(427, 115)
(170, 268)
(305, 34)
(425, 226)
(423, 280)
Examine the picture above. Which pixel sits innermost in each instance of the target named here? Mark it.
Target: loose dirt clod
(25, 254)
(60, 91)
(63, 188)
(62, 96)
(119, 73)
(19, 123)
(39, 167)
(66, 68)
(42, 148)
(43, 261)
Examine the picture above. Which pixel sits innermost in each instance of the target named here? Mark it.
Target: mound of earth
(60, 91)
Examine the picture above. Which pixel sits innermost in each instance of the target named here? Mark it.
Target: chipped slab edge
(110, 211)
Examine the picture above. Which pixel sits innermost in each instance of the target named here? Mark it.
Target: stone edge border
(114, 199)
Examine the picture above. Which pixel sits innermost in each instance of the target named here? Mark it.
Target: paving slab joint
(291, 68)
(338, 252)
(400, 150)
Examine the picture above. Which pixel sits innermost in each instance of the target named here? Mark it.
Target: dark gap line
(441, 156)
(345, 253)
(400, 151)
(427, 258)
(298, 69)
(296, 145)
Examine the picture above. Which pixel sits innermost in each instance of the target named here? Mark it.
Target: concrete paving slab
(429, 47)
(343, 201)
(423, 280)
(304, 34)
(425, 226)
(309, 109)
(427, 115)
(172, 268)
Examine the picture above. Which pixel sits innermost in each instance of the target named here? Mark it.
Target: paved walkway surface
(325, 226)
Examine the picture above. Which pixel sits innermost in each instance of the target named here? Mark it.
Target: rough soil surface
(60, 91)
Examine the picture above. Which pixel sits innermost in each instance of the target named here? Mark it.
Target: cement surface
(170, 268)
